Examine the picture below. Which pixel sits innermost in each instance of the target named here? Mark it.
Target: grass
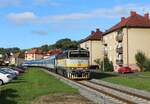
(136, 80)
(138, 83)
(146, 74)
(32, 84)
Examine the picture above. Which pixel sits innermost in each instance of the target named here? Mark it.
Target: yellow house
(123, 40)
(34, 54)
(17, 58)
(93, 43)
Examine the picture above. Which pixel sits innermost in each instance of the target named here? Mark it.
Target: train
(72, 64)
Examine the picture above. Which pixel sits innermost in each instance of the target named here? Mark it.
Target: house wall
(12, 61)
(95, 49)
(138, 40)
(33, 56)
(110, 40)
(19, 61)
(38, 56)
(134, 40)
(29, 57)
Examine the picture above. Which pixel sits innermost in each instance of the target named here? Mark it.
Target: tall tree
(44, 48)
(66, 44)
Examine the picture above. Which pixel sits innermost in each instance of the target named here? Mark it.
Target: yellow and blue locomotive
(72, 64)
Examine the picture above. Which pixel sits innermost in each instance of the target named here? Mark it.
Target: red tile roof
(134, 20)
(55, 51)
(19, 55)
(93, 36)
(34, 51)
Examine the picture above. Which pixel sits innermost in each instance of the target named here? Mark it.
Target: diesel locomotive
(72, 64)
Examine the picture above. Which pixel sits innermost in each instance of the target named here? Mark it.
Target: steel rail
(107, 93)
(123, 91)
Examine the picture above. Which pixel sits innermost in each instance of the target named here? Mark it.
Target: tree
(98, 61)
(147, 65)
(140, 60)
(44, 48)
(108, 65)
(9, 50)
(66, 43)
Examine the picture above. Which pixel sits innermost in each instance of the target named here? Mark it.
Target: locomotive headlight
(72, 68)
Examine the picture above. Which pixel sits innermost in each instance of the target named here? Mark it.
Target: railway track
(105, 92)
(118, 95)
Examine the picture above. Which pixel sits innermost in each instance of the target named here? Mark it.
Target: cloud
(20, 18)
(109, 13)
(6, 3)
(39, 32)
(46, 2)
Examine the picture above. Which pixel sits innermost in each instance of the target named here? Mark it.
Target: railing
(119, 62)
(119, 37)
(119, 50)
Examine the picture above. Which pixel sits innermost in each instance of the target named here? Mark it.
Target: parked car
(21, 67)
(10, 71)
(124, 70)
(5, 77)
(18, 69)
(5, 72)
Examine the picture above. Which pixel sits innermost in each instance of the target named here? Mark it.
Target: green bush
(142, 61)
(98, 61)
(108, 65)
(147, 65)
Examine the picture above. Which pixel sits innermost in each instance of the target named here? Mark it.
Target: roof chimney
(146, 16)
(92, 32)
(133, 13)
(123, 18)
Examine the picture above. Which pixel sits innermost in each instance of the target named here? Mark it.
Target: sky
(32, 23)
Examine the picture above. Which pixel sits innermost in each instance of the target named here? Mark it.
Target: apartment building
(34, 54)
(123, 40)
(93, 43)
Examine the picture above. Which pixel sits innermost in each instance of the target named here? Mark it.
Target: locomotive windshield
(79, 54)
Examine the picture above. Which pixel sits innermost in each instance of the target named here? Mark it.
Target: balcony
(119, 38)
(120, 56)
(119, 62)
(119, 50)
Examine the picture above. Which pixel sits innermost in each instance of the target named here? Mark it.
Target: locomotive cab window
(78, 54)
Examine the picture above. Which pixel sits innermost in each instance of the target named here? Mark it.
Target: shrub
(140, 60)
(98, 61)
(108, 65)
(147, 65)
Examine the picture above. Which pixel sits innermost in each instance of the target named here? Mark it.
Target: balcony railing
(119, 62)
(119, 50)
(120, 56)
(119, 37)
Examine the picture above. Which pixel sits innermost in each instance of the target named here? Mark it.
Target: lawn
(32, 84)
(136, 80)
(146, 74)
